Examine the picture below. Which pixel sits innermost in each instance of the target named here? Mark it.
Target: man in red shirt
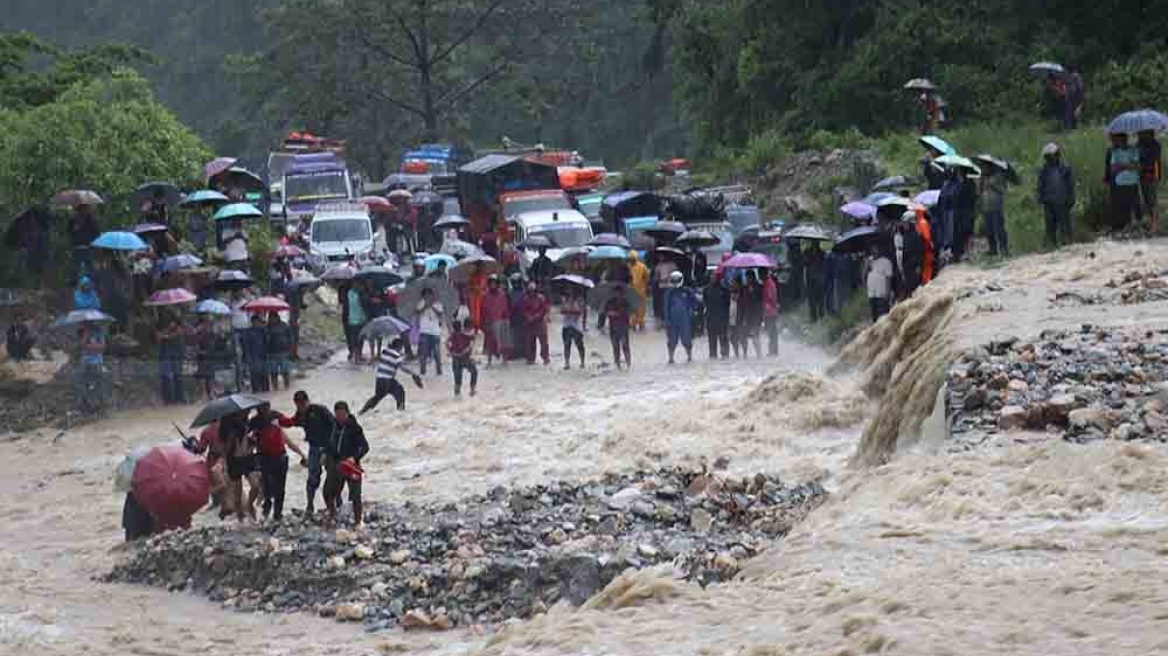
(496, 320)
(536, 310)
(460, 344)
(273, 444)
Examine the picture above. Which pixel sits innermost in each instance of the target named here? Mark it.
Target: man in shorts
(239, 449)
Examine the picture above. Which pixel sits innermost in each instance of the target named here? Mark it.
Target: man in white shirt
(879, 284)
(430, 316)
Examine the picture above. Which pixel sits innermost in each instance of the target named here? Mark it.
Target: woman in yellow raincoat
(639, 276)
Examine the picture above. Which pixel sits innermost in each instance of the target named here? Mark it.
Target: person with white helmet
(679, 304)
(1056, 194)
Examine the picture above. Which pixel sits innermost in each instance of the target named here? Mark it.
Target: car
(341, 232)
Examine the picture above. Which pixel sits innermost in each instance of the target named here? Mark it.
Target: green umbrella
(957, 161)
(238, 211)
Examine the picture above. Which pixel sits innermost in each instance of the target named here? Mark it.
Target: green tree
(27, 81)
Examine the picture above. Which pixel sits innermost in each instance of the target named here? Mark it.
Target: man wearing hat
(1056, 194)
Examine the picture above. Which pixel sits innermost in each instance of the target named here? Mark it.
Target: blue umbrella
(238, 211)
(204, 197)
(1140, 120)
(119, 241)
(928, 198)
(938, 144)
(608, 253)
(77, 317)
(183, 261)
(211, 306)
(432, 261)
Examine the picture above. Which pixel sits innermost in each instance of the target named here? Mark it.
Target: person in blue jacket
(680, 302)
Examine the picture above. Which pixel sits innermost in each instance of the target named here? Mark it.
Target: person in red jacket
(496, 321)
(536, 309)
(770, 310)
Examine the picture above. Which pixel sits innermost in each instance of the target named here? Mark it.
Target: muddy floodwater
(1023, 546)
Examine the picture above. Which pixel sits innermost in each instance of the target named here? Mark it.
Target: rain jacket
(639, 275)
(348, 441)
(85, 299)
(1056, 184)
(925, 232)
(476, 287)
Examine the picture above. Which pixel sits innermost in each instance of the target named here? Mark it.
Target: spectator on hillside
(1121, 173)
(1056, 194)
(993, 209)
(1151, 170)
(879, 283)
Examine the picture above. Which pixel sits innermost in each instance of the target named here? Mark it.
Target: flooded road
(1026, 545)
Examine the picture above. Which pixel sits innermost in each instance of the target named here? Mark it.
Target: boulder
(350, 612)
(1013, 417)
(1059, 406)
(1089, 418)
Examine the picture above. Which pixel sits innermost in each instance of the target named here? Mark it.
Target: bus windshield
(318, 185)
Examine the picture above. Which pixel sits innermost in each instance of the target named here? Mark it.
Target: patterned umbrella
(1140, 120)
(217, 166)
(78, 317)
(168, 297)
(75, 197)
(571, 279)
(749, 261)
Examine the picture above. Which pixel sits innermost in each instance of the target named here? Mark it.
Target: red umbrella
(217, 166)
(288, 250)
(377, 204)
(171, 483)
(176, 296)
(265, 304)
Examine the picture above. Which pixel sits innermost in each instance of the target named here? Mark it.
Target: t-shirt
(430, 318)
(356, 310)
(235, 248)
(459, 342)
(240, 320)
(572, 314)
(880, 278)
(271, 436)
(1123, 156)
(388, 362)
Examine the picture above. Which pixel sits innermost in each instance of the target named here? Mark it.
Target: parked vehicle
(742, 217)
(484, 184)
(435, 159)
(311, 180)
(564, 228)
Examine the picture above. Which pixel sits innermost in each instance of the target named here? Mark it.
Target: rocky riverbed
(510, 554)
(1085, 385)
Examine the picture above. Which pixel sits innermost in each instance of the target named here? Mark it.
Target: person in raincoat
(639, 280)
(1056, 194)
(85, 297)
(476, 287)
(679, 303)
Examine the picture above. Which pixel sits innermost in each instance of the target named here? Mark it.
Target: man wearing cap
(1056, 194)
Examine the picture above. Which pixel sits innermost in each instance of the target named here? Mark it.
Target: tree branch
(462, 38)
(385, 52)
(454, 96)
(404, 106)
(421, 56)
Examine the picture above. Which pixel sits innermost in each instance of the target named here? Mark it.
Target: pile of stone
(485, 559)
(1086, 385)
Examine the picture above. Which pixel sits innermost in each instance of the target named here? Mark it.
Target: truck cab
(564, 228)
(340, 232)
(311, 180)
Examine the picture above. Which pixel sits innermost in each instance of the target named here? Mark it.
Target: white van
(565, 228)
(340, 232)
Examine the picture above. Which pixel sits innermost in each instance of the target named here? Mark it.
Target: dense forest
(619, 80)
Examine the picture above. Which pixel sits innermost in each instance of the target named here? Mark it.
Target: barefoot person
(388, 363)
(346, 448)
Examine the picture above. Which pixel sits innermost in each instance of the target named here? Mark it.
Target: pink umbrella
(265, 304)
(749, 261)
(288, 250)
(172, 484)
(217, 166)
(176, 296)
(377, 203)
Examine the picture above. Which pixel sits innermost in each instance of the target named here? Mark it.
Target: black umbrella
(599, 296)
(228, 405)
(857, 240)
(808, 233)
(380, 276)
(233, 279)
(643, 242)
(698, 239)
(610, 239)
(163, 193)
(894, 182)
(407, 301)
(666, 231)
(240, 177)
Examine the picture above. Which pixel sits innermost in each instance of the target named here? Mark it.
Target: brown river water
(1024, 546)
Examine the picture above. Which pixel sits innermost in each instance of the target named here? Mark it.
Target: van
(565, 228)
(341, 232)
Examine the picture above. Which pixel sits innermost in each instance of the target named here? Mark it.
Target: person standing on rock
(680, 302)
(879, 282)
(716, 298)
(388, 363)
(1056, 194)
(273, 459)
(347, 446)
(318, 424)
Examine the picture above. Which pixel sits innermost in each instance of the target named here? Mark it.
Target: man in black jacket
(318, 424)
(346, 448)
(716, 298)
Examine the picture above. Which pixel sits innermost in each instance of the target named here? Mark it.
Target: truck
(311, 179)
(293, 145)
(340, 232)
(434, 159)
(489, 184)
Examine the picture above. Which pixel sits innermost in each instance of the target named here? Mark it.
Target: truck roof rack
(342, 207)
